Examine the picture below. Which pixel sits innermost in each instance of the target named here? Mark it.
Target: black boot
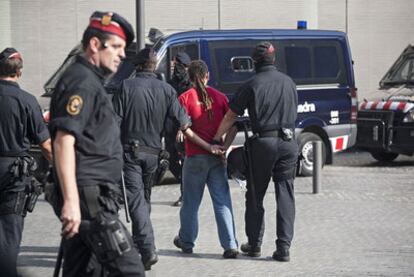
(250, 250)
(281, 255)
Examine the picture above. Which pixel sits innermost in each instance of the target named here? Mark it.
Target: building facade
(46, 30)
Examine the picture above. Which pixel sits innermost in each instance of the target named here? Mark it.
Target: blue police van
(318, 61)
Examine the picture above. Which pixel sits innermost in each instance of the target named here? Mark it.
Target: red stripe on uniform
(401, 106)
(339, 144)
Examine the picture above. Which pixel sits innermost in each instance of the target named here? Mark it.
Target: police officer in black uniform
(21, 124)
(144, 104)
(88, 155)
(180, 81)
(271, 99)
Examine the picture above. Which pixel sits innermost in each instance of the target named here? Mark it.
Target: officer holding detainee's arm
(88, 155)
(21, 124)
(271, 99)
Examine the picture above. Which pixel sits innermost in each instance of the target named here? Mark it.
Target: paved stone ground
(361, 224)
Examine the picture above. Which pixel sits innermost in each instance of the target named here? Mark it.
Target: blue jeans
(197, 171)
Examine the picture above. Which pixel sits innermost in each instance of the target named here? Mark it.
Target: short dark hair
(146, 60)
(90, 33)
(10, 67)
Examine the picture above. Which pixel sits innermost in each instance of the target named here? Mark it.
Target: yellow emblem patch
(106, 19)
(74, 105)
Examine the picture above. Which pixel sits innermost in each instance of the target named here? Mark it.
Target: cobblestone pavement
(361, 224)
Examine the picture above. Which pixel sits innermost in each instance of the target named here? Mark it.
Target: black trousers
(272, 157)
(11, 229)
(11, 225)
(138, 172)
(77, 251)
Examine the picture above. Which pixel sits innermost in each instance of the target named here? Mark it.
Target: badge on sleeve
(74, 105)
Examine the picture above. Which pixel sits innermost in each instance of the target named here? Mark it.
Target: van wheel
(306, 150)
(384, 156)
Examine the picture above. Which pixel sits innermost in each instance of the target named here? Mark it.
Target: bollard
(317, 165)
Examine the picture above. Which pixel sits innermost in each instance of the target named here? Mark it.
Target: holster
(108, 239)
(33, 190)
(134, 148)
(23, 166)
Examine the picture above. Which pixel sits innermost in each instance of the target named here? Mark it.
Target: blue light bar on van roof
(302, 25)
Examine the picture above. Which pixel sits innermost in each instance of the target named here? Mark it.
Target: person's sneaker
(149, 260)
(179, 244)
(281, 255)
(178, 203)
(251, 251)
(230, 254)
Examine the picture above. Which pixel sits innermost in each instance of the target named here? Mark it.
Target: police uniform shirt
(21, 121)
(81, 107)
(144, 104)
(271, 99)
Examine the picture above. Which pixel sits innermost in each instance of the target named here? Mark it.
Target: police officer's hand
(216, 149)
(180, 136)
(71, 219)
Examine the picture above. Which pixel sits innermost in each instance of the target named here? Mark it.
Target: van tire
(306, 153)
(384, 156)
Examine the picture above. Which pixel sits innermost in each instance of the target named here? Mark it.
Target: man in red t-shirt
(204, 165)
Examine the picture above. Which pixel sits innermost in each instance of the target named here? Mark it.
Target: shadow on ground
(37, 256)
(210, 256)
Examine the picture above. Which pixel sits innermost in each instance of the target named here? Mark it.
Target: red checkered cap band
(112, 27)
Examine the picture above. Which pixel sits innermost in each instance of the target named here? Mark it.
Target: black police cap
(113, 23)
(264, 52)
(183, 58)
(9, 53)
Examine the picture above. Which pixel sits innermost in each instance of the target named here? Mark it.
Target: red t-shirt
(203, 126)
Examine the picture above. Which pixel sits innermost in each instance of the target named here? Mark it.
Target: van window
(298, 62)
(326, 62)
(310, 62)
(191, 49)
(223, 59)
(242, 64)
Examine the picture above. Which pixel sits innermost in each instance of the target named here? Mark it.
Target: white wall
(45, 30)
(378, 32)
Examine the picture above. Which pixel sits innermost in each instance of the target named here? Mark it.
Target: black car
(386, 123)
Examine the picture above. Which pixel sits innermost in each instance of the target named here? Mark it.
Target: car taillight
(354, 104)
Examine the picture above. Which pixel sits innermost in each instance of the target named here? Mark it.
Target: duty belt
(273, 133)
(286, 134)
(142, 149)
